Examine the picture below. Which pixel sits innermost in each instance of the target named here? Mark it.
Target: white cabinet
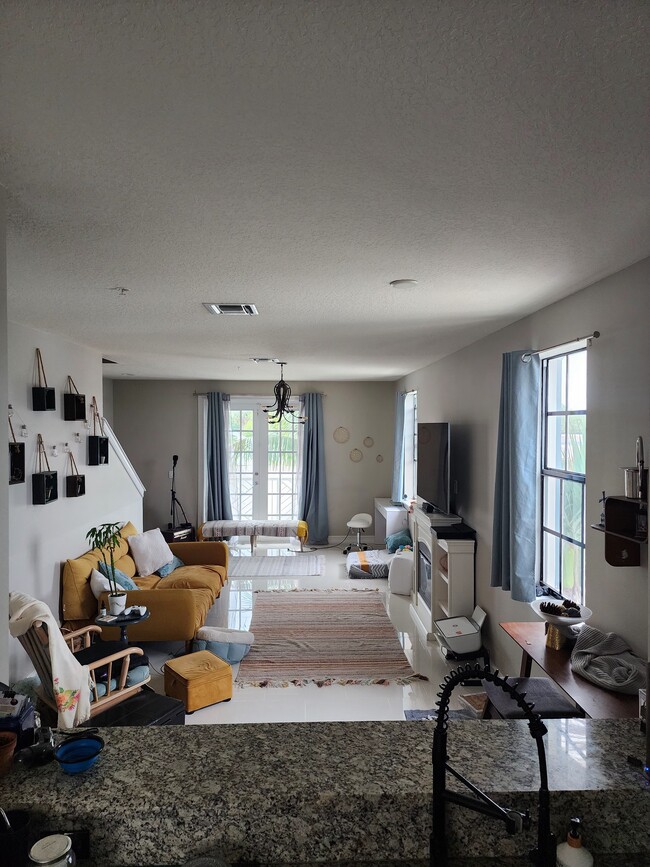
(444, 566)
(389, 519)
(453, 592)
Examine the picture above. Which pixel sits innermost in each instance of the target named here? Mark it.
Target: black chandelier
(282, 407)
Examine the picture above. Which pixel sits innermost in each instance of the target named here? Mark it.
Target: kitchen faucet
(544, 854)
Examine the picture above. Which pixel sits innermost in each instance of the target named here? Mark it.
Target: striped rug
(323, 637)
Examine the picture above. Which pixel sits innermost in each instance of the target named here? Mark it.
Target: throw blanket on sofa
(71, 680)
(606, 660)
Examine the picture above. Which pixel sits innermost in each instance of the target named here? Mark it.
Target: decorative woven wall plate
(341, 435)
(356, 455)
(368, 442)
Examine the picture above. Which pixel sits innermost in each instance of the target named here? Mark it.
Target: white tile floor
(311, 703)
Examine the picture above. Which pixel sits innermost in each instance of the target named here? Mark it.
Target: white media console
(444, 569)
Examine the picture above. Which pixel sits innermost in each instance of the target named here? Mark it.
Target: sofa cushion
(168, 568)
(195, 578)
(99, 583)
(149, 582)
(150, 551)
(121, 578)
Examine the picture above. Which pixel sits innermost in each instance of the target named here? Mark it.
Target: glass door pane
(263, 464)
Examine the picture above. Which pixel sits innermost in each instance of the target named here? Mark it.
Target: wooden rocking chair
(107, 690)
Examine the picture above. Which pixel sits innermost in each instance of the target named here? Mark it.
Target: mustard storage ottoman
(198, 680)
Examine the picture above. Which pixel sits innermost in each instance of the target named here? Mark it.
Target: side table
(123, 621)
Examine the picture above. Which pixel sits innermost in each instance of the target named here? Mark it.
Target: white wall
(4, 473)
(464, 389)
(156, 419)
(42, 537)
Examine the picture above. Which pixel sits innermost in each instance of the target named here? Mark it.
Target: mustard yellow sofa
(178, 604)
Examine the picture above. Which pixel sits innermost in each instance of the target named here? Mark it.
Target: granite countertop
(295, 793)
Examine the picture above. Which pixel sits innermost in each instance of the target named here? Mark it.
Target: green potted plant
(107, 538)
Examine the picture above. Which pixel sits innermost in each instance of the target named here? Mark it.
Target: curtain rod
(252, 396)
(528, 355)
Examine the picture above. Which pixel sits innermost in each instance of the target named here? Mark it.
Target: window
(564, 429)
(410, 450)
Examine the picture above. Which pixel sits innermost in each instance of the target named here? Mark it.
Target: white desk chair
(359, 522)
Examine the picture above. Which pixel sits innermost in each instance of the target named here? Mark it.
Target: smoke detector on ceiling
(403, 281)
(231, 309)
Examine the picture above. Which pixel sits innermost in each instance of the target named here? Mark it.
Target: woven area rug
(323, 637)
(275, 567)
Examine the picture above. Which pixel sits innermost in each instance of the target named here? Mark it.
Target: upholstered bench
(219, 529)
(198, 680)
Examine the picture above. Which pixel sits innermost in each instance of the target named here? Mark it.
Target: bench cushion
(368, 564)
(218, 529)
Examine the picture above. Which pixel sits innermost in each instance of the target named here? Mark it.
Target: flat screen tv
(433, 465)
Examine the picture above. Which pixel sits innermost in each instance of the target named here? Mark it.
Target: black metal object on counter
(544, 855)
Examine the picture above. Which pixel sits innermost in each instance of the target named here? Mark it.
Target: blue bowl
(79, 753)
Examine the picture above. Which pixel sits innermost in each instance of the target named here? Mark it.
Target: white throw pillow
(150, 551)
(99, 583)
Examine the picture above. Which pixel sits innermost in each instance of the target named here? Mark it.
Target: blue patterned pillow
(168, 568)
(403, 537)
(123, 580)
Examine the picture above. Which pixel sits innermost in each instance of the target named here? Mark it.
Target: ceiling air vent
(231, 309)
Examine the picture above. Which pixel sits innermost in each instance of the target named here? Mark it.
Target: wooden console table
(597, 703)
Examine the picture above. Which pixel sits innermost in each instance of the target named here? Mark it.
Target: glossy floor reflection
(234, 608)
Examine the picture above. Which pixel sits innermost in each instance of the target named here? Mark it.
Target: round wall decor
(380, 459)
(341, 435)
(368, 442)
(356, 455)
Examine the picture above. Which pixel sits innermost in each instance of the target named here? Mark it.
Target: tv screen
(433, 465)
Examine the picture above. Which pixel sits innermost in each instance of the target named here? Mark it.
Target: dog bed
(368, 564)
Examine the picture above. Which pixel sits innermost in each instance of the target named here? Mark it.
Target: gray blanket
(606, 660)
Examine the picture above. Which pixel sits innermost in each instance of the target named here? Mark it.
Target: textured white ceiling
(300, 155)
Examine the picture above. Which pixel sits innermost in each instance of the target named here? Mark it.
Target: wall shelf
(625, 529)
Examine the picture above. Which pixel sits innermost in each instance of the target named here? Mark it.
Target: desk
(596, 702)
(389, 519)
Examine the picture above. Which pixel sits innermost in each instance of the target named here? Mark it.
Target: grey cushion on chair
(550, 702)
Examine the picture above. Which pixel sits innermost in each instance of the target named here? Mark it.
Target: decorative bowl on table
(560, 619)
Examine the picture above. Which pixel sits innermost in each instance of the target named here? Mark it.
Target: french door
(263, 463)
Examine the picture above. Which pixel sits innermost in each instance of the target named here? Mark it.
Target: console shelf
(625, 529)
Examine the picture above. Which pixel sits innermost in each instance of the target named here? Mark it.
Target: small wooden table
(596, 702)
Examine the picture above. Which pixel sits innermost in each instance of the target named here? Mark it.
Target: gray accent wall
(464, 389)
(155, 419)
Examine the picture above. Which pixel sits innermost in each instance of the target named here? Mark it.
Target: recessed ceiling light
(403, 281)
(231, 309)
(269, 360)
